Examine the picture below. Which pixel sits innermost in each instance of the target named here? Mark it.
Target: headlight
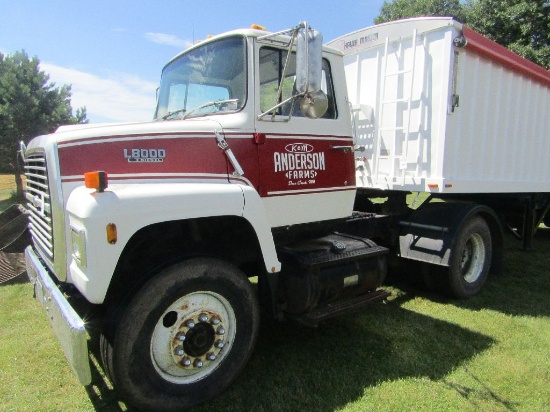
(78, 241)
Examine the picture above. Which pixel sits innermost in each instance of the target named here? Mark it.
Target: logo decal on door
(299, 164)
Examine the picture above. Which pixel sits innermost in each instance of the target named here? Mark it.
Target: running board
(339, 308)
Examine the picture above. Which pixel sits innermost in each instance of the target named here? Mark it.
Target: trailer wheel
(469, 262)
(185, 336)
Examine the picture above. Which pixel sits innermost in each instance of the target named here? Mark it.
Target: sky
(112, 52)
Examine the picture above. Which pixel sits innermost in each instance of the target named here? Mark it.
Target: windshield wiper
(170, 114)
(216, 103)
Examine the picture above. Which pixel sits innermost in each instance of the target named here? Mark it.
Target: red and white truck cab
(262, 160)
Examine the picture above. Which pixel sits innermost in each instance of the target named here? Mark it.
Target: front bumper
(67, 324)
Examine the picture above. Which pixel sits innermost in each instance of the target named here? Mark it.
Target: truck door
(306, 166)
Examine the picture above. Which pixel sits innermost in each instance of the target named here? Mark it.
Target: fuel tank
(332, 268)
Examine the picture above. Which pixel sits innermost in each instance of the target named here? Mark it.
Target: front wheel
(469, 262)
(185, 336)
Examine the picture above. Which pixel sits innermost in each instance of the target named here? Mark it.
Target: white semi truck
(267, 158)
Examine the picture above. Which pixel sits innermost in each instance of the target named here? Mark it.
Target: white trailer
(441, 109)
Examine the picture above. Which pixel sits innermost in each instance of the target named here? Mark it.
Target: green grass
(7, 192)
(416, 352)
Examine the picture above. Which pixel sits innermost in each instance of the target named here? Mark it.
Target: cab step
(337, 308)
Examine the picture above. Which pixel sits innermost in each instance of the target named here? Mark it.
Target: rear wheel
(185, 336)
(469, 262)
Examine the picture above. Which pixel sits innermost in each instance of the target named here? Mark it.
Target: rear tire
(184, 337)
(469, 262)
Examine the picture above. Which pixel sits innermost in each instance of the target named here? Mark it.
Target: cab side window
(272, 61)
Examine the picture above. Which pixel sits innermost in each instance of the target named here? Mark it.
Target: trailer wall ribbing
(439, 108)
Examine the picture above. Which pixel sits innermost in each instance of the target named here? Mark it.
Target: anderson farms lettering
(299, 162)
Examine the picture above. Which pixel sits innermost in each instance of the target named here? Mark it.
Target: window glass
(210, 73)
(272, 62)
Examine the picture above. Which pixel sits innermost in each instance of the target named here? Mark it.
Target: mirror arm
(290, 46)
(274, 108)
(294, 29)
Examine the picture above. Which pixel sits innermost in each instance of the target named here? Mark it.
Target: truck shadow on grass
(297, 368)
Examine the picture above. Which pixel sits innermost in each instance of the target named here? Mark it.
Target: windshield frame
(163, 111)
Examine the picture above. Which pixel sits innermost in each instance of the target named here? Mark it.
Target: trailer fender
(429, 233)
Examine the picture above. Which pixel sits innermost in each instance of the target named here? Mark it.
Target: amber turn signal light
(96, 180)
(112, 234)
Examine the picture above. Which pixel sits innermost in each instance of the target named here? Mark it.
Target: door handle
(344, 149)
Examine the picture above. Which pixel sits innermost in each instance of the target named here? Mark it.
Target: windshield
(207, 80)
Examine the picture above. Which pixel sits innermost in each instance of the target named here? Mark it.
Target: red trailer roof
(501, 55)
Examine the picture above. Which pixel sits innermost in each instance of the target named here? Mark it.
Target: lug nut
(203, 317)
(211, 357)
(181, 336)
(220, 330)
(218, 344)
(197, 363)
(186, 362)
(190, 324)
(179, 351)
(215, 321)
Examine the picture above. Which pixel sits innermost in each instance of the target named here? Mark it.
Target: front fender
(130, 208)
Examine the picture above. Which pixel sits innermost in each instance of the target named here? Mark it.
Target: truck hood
(66, 134)
(87, 132)
(183, 149)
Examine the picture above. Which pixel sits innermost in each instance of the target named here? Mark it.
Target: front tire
(185, 336)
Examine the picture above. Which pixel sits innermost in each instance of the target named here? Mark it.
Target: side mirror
(309, 60)
(309, 54)
(314, 105)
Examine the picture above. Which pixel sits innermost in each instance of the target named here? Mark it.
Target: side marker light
(112, 235)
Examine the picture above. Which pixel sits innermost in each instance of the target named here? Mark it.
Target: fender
(255, 213)
(134, 206)
(429, 233)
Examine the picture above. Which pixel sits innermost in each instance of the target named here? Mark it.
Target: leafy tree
(30, 105)
(521, 25)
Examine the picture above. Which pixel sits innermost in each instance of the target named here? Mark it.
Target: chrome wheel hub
(192, 336)
(473, 258)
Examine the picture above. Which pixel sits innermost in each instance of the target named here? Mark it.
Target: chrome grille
(39, 203)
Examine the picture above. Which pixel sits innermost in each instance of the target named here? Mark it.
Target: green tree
(521, 25)
(30, 105)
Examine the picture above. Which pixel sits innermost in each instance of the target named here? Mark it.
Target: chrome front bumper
(67, 324)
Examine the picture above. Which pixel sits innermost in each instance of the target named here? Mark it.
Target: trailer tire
(469, 263)
(184, 337)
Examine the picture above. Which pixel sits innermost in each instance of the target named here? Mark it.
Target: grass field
(7, 191)
(417, 352)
